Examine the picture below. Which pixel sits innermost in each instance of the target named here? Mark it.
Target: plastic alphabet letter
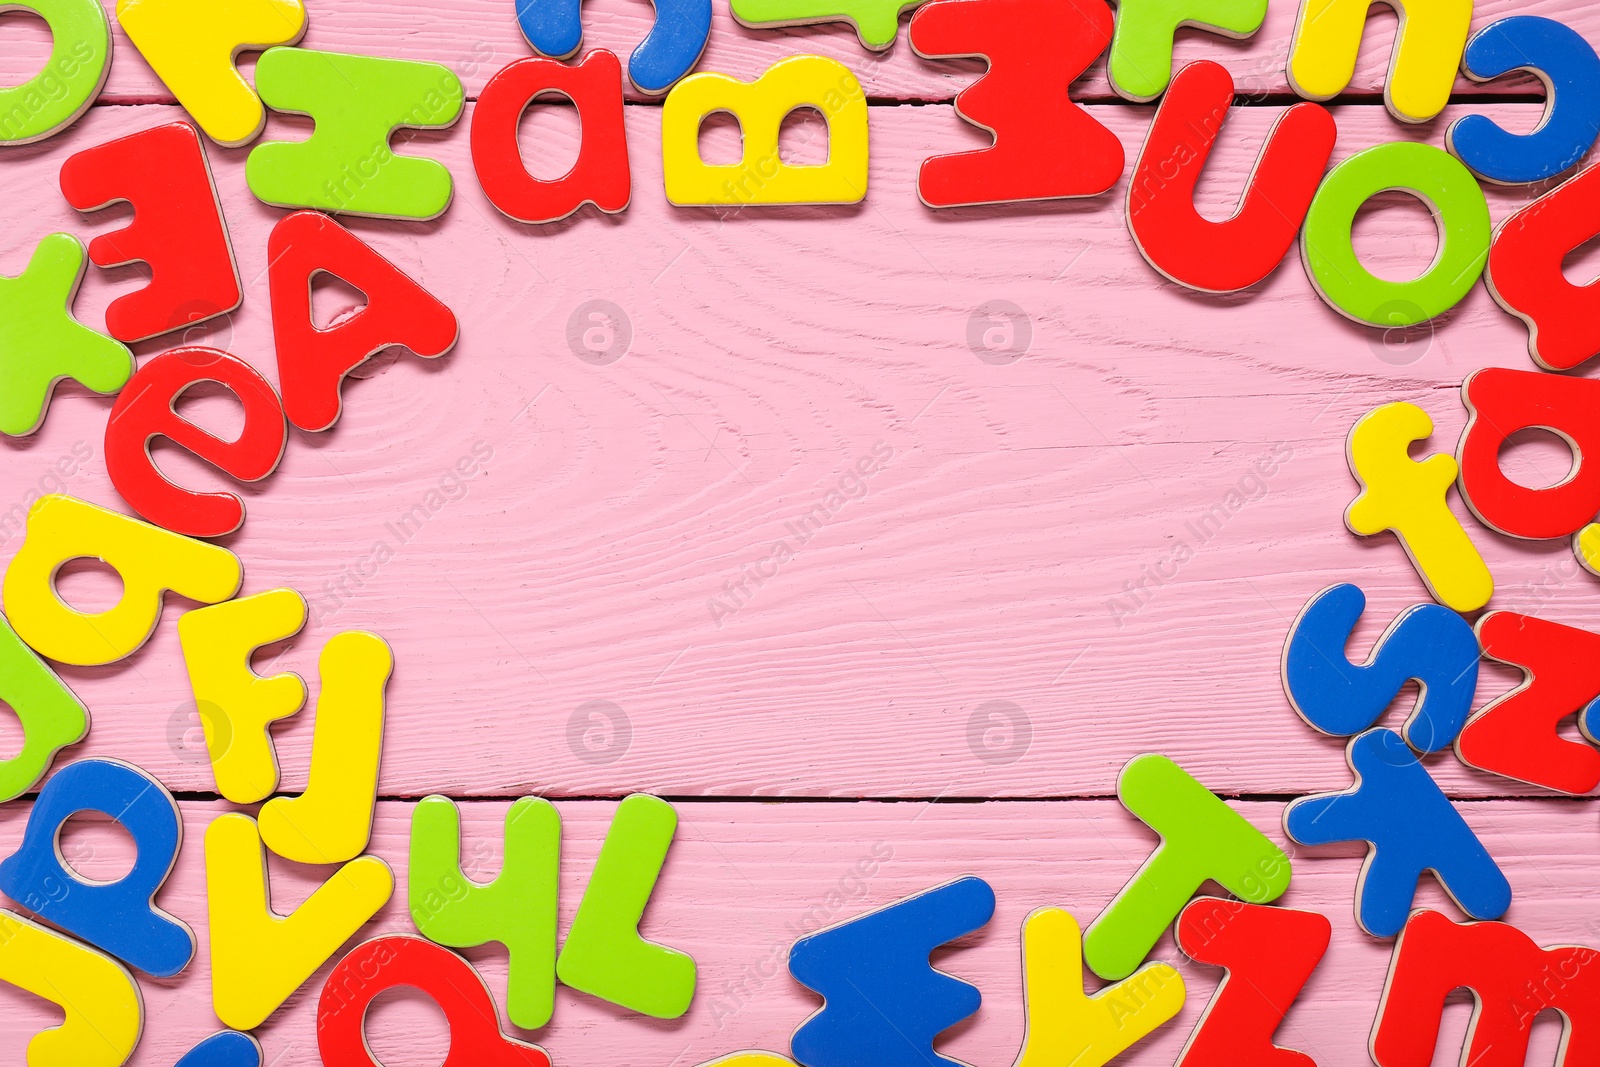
(1187, 247)
(177, 228)
(258, 958)
(1410, 497)
(669, 51)
(1427, 50)
(516, 909)
(604, 955)
(236, 705)
(1065, 1025)
(332, 820)
(193, 46)
(1502, 403)
(1517, 735)
(761, 176)
(1202, 839)
(149, 560)
(41, 343)
(313, 362)
(1460, 213)
(1045, 145)
(1269, 954)
(1570, 70)
(1427, 643)
(1410, 826)
(119, 917)
(450, 981)
(80, 59)
(876, 22)
(1512, 980)
(1586, 543)
(147, 408)
(104, 1011)
(51, 715)
(883, 1003)
(600, 174)
(229, 1048)
(347, 165)
(1141, 52)
(1525, 275)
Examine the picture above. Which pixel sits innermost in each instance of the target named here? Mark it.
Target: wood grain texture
(986, 560)
(478, 37)
(744, 880)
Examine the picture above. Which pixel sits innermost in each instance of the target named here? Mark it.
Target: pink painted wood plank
(478, 37)
(986, 560)
(744, 880)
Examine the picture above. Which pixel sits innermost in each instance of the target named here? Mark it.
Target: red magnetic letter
(1501, 404)
(311, 362)
(1516, 735)
(145, 409)
(1045, 145)
(1525, 273)
(1269, 954)
(402, 960)
(1223, 257)
(177, 228)
(600, 175)
(1512, 979)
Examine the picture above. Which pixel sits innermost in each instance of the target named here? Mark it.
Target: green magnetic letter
(80, 58)
(1141, 51)
(51, 716)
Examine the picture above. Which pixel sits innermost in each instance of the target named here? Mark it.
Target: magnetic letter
(51, 715)
(1568, 66)
(346, 165)
(1459, 210)
(332, 820)
(876, 22)
(120, 916)
(1433, 34)
(1141, 52)
(311, 362)
(1045, 145)
(1187, 247)
(1502, 403)
(600, 175)
(883, 1003)
(236, 705)
(50, 102)
(193, 45)
(1525, 275)
(1269, 954)
(447, 979)
(147, 408)
(1512, 980)
(228, 1048)
(177, 229)
(516, 909)
(259, 958)
(149, 560)
(1202, 839)
(41, 343)
(105, 1013)
(1426, 643)
(761, 176)
(1517, 735)
(669, 51)
(1411, 498)
(604, 955)
(1410, 826)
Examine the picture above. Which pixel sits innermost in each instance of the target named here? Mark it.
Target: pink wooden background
(550, 620)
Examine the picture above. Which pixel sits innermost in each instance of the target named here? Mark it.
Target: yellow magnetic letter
(1427, 52)
(237, 705)
(1065, 1026)
(1400, 494)
(331, 821)
(149, 560)
(1586, 542)
(104, 1010)
(258, 958)
(761, 176)
(750, 1058)
(192, 44)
